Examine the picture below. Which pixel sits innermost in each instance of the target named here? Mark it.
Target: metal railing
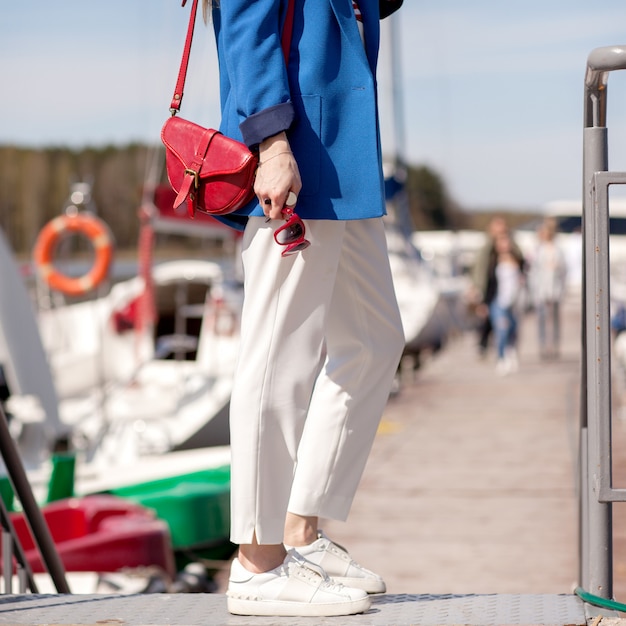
(596, 489)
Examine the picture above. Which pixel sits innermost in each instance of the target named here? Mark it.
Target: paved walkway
(471, 484)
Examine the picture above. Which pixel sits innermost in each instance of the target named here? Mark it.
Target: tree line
(35, 185)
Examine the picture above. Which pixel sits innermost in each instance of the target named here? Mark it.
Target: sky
(491, 92)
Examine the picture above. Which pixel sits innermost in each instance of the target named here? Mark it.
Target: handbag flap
(224, 156)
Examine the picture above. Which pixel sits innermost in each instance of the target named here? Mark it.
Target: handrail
(596, 492)
(600, 63)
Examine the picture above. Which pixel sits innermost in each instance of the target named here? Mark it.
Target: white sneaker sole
(369, 585)
(281, 608)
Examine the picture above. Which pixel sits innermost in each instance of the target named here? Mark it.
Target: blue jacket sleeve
(250, 46)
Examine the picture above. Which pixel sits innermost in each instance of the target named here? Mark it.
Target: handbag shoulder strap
(288, 30)
(184, 63)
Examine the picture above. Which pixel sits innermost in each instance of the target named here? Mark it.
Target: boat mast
(393, 127)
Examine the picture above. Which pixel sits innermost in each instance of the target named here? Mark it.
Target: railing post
(599, 561)
(596, 545)
(34, 516)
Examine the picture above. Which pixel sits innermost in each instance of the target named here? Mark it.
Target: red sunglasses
(291, 233)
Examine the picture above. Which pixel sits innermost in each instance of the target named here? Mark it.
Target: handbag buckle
(195, 176)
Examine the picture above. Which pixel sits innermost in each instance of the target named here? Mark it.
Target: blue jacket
(325, 98)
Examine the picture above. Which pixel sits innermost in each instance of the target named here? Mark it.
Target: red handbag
(212, 173)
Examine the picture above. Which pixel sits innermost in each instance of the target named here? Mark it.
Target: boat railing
(597, 492)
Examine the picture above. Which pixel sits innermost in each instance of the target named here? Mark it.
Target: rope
(598, 601)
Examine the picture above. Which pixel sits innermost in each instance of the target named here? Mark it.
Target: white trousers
(320, 343)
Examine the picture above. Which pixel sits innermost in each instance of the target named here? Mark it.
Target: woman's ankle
(300, 530)
(261, 558)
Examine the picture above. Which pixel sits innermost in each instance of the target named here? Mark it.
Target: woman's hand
(276, 175)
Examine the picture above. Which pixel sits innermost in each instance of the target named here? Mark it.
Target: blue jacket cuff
(264, 124)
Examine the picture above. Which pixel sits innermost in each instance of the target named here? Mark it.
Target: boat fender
(98, 234)
(224, 319)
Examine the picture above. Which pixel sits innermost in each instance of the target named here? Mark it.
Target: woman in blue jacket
(321, 333)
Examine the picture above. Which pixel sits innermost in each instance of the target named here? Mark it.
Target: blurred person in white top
(547, 282)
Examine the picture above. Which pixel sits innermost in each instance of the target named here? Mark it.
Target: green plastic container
(61, 483)
(196, 507)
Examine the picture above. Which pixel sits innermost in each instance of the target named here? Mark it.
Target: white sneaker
(296, 588)
(338, 564)
(502, 367)
(512, 359)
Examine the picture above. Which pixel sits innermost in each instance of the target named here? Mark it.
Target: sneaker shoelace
(309, 570)
(337, 549)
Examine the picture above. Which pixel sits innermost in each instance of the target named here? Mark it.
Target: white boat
(125, 389)
(422, 304)
(143, 369)
(451, 253)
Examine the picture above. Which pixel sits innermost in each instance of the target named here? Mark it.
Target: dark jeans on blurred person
(504, 322)
(484, 333)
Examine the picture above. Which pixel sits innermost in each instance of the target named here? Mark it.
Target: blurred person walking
(547, 284)
(504, 308)
(484, 283)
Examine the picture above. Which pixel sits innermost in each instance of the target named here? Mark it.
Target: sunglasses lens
(290, 233)
(296, 247)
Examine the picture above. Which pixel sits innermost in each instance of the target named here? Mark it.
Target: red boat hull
(100, 533)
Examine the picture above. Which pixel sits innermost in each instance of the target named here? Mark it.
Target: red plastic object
(101, 533)
(164, 198)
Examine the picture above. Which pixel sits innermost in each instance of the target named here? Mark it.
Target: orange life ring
(100, 237)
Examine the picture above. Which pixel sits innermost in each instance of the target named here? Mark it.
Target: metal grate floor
(210, 610)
